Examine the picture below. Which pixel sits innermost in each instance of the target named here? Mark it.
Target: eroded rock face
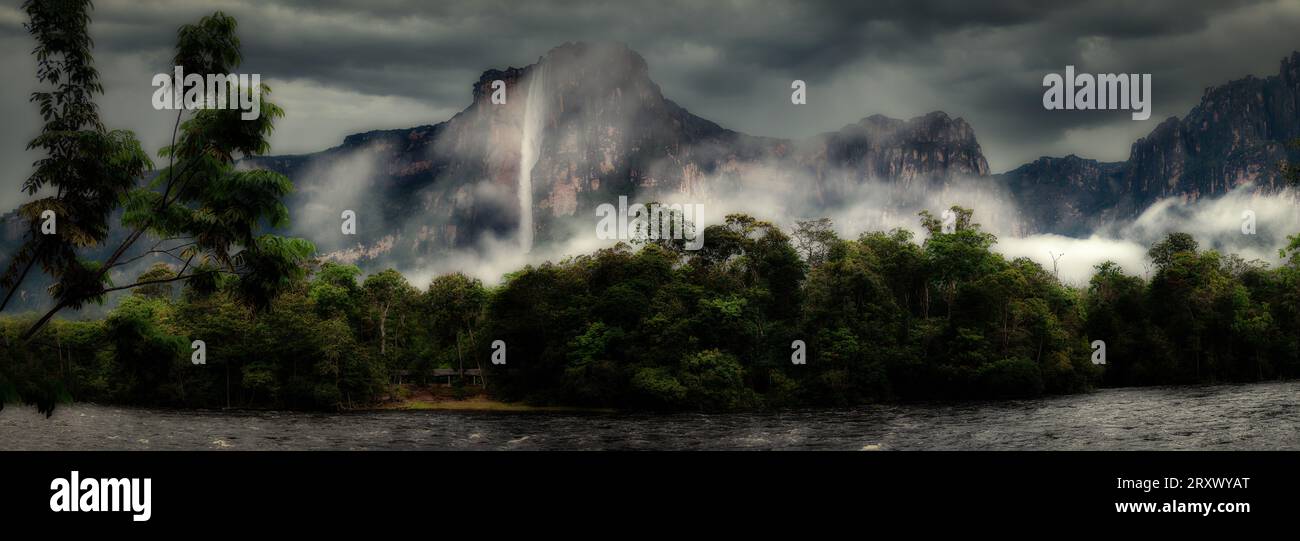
(1069, 195)
(607, 130)
(920, 154)
(1235, 136)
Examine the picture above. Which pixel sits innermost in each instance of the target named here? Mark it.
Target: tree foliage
(211, 213)
(661, 327)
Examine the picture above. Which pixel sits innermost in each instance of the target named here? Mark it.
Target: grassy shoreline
(478, 404)
(437, 398)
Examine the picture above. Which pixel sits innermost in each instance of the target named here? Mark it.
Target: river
(1252, 417)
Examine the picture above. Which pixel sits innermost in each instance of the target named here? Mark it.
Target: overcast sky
(344, 66)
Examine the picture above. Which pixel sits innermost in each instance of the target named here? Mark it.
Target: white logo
(498, 92)
(800, 94)
(1247, 222)
(498, 352)
(200, 355)
(654, 222)
(349, 226)
(190, 92)
(949, 222)
(1102, 91)
(93, 495)
(49, 225)
(1098, 352)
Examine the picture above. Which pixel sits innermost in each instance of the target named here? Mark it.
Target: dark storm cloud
(394, 47)
(343, 62)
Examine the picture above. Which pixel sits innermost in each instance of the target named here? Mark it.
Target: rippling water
(1258, 416)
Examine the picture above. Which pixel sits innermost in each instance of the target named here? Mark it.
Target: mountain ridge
(1223, 142)
(1234, 137)
(608, 130)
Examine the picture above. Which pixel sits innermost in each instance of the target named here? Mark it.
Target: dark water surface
(1258, 416)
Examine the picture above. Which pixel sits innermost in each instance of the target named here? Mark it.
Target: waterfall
(529, 148)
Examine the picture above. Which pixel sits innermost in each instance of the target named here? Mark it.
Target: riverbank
(440, 398)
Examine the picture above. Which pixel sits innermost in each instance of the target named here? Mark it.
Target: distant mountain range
(605, 129)
(608, 130)
(1236, 135)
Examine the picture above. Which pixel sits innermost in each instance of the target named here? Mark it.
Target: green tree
(1163, 252)
(147, 359)
(87, 167)
(384, 292)
(958, 256)
(198, 196)
(713, 380)
(814, 239)
(334, 290)
(157, 280)
(456, 303)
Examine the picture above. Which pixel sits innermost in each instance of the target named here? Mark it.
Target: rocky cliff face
(1069, 195)
(605, 130)
(1237, 135)
(920, 154)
